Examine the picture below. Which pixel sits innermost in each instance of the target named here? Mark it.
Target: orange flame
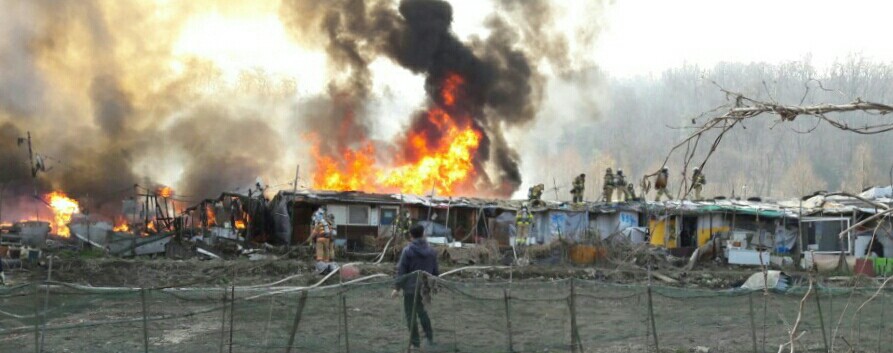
(63, 208)
(209, 214)
(165, 191)
(151, 227)
(443, 159)
(240, 224)
(121, 225)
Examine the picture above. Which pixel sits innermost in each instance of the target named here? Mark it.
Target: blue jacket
(417, 256)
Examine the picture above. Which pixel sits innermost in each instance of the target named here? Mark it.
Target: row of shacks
(815, 229)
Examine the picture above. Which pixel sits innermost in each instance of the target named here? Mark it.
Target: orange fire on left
(63, 208)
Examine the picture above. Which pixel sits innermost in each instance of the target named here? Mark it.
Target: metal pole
(651, 316)
(36, 318)
(297, 173)
(223, 322)
(294, 326)
(46, 302)
(344, 313)
(576, 345)
(145, 322)
(753, 325)
(32, 166)
(765, 315)
(882, 322)
(232, 314)
(508, 319)
(818, 304)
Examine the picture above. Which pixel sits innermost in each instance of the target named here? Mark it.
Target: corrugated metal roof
(832, 204)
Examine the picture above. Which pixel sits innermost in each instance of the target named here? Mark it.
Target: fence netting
(566, 315)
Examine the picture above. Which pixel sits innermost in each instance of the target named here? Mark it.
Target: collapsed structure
(811, 231)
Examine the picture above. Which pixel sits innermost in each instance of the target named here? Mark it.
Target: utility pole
(297, 176)
(555, 188)
(31, 163)
(2, 187)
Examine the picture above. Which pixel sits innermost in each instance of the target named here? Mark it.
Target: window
(388, 215)
(358, 215)
(822, 234)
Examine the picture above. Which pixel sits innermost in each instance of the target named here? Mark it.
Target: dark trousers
(410, 300)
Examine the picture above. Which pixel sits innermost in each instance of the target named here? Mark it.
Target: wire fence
(568, 315)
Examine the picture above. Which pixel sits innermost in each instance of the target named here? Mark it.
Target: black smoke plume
(502, 87)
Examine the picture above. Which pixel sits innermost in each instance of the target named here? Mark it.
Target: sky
(635, 38)
(638, 37)
(644, 37)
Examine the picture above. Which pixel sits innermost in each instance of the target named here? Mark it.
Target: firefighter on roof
(661, 183)
(579, 187)
(535, 194)
(620, 181)
(697, 182)
(608, 189)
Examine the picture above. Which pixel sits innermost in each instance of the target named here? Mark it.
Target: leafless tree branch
(743, 108)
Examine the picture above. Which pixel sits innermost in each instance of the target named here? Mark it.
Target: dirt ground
(183, 273)
(469, 311)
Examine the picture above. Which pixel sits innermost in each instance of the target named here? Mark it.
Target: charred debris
(820, 231)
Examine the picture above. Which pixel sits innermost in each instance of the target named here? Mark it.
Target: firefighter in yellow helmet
(535, 194)
(579, 187)
(402, 224)
(662, 183)
(620, 184)
(608, 188)
(698, 180)
(523, 220)
(324, 234)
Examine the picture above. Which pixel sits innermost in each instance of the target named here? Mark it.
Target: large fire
(437, 157)
(63, 208)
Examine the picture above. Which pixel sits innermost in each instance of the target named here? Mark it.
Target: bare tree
(712, 127)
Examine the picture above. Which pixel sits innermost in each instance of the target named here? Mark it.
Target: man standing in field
(417, 256)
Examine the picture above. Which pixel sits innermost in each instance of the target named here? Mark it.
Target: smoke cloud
(502, 85)
(110, 102)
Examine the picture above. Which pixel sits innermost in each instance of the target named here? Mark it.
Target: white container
(748, 257)
(862, 243)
